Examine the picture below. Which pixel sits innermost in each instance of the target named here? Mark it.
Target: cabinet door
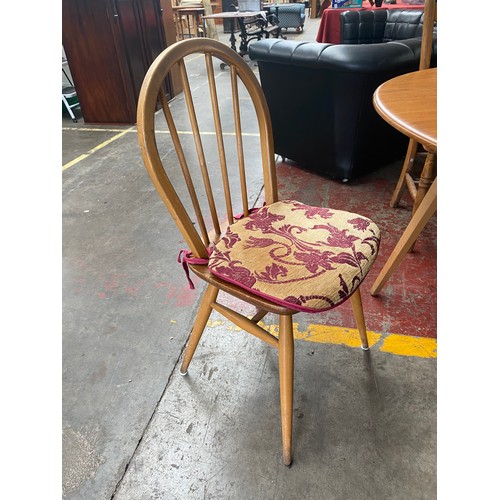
(154, 34)
(129, 40)
(140, 37)
(110, 45)
(93, 61)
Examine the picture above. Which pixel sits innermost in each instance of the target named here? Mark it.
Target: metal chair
(69, 93)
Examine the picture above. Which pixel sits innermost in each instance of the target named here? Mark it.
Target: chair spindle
(220, 138)
(239, 140)
(199, 149)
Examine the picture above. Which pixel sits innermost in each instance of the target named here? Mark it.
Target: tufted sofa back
(320, 99)
(378, 26)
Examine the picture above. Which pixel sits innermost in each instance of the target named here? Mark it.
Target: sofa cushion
(378, 26)
(305, 258)
(362, 26)
(403, 24)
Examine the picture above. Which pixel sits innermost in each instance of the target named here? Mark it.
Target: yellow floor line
(88, 129)
(400, 345)
(97, 148)
(132, 129)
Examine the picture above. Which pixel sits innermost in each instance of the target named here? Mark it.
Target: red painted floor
(408, 302)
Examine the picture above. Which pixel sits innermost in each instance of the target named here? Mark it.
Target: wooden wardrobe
(110, 45)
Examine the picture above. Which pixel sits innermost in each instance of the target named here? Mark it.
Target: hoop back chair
(282, 257)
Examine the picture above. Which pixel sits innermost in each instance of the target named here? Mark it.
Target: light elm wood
(421, 217)
(210, 225)
(285, 362)
(409, 103)
(245, 323)
(199, 325)
(357, 307)
(258, 315)
(428, 173)
(430, 17)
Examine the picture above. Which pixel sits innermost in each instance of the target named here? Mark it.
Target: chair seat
(307, 266)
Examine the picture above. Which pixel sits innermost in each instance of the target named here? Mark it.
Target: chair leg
(258, 315)
(407, 168)
(285, 355)
(68, 107)
(359, 316)
(199, 325)
(426, 178)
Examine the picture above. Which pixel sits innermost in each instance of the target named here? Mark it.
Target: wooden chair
(283, 257)
(428, 171)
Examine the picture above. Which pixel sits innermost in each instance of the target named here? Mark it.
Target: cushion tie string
(186, 257)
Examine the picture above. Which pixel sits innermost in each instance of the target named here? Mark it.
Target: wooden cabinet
(109, 45)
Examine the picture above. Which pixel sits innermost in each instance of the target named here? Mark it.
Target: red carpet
(407, 303)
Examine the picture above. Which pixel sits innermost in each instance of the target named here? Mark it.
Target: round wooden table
(409, 103)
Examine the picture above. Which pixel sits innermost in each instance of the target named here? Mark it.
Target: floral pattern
(303, 257)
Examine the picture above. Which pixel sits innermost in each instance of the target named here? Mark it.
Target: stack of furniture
(188, 20)
(333, 128)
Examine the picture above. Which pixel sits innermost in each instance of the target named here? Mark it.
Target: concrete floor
(133, 428)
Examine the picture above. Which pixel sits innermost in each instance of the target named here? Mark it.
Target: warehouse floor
(133, 428)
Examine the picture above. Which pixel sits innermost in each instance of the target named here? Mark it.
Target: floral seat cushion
(302, 257)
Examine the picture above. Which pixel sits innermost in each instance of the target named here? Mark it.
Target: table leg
(417, 223)
(426, 177)
(425, 180)
(232, 38)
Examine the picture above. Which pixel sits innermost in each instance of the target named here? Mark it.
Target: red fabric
(329, 26)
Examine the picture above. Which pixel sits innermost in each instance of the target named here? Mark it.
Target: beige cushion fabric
(306, 258)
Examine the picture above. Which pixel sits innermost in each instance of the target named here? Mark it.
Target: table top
(178, 8)
(409, 103)
(232, 15)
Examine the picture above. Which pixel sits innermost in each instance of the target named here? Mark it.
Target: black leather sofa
(320, 95)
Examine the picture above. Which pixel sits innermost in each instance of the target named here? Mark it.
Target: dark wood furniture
(189, 22)
(109, 45)
(251, 25)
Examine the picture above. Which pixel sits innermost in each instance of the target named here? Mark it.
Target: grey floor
(133, 428)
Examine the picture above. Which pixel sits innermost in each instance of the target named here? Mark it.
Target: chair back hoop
(430, 10)
(199, 240)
